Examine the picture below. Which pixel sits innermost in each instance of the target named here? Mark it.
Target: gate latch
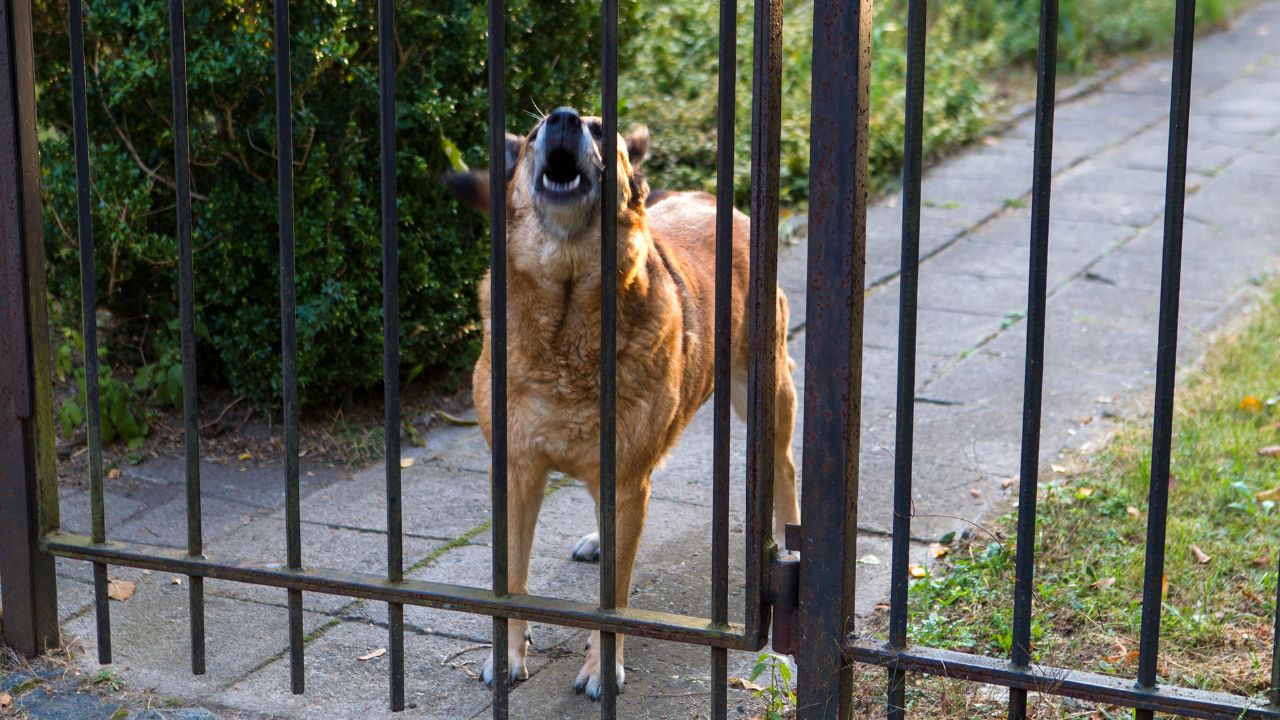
(784, 596)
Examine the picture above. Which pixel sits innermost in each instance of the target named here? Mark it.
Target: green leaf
(135, 443)
(452, 152)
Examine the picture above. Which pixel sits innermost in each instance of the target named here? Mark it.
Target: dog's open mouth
(561, 179)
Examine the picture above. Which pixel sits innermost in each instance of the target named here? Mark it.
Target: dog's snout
(563, 128)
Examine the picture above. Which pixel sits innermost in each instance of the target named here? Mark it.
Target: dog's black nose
(564, 119)
(563, 128)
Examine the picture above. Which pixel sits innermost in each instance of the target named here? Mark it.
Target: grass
(1219, 606)
(974, 53)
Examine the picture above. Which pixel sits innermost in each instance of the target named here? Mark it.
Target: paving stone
(166, 525)
(341, 686)
(262, 544)
(151, 639)
(44, 704)
(74, 509)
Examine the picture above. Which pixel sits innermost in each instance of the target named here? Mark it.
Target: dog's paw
(516, 667)
(588, 679)
(588, 548)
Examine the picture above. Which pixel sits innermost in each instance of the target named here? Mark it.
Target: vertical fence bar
(89, 324)
(762, 304)
(1167, 349)
(391, 337)
(913, 159)
(726, 106)
(186, 297)
(1033, 380)
(289, 336)
(28, 476)
(833, 353)
(498, 333)
(608, 356)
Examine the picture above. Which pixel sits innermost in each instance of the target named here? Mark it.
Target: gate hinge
(784, 596)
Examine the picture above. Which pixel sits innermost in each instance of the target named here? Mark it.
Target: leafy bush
(553, 51)
(124, 417)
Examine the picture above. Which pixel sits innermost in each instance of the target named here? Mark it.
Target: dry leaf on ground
(113, 473)
(976, 492)
(374, 654)
(1127, 658)
(1272, 494)
(1201, 557)
(1251, 404)
(121, 590)
(1270, 451)
(744, 683)
(938, 550)
(175, 580)
(916, 571)
(1134, 512)
(246, 456)
(1103, 584)
(869, 560)
(406, 462)
(5, 700)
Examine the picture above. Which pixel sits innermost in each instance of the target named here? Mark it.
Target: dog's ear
(472, 187)
(638, 145)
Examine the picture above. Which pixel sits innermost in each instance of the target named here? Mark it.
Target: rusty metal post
(833, 353)
(28, 477)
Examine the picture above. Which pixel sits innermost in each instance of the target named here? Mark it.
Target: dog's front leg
(632, 507)
(525, 486)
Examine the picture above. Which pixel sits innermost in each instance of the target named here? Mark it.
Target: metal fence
(810, 602)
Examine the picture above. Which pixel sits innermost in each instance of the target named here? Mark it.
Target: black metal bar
(89, 323)
(1167, 348)
(391, 337)
(762, 306)
(726, 106)
(904, 440)
(1274, 694)
(458, 598)
(608, 355)
(1033, 380)
(498, 334)
(833, 353)
(1093, 687)
(288, 334)
(186, 297)
(28, 476)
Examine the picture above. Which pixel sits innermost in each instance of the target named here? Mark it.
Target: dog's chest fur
(554, 352)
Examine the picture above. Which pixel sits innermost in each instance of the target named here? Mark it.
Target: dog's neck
(551, 261)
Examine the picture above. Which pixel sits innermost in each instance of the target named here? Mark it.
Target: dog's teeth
(576, 179)
(546, 182)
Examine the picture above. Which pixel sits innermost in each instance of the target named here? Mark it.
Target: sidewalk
(1104, 276)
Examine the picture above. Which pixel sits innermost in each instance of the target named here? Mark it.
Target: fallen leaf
(1103, 584)
(1104, 399)
(1164, 584)
(406, 462)
(1084, 492)
(1125, 658)
(1060, 469)
(5, 700)
(744, 683)
(121, 590)
(1270, 451)
(374, 654)
(454, 420)
(1272, 494)
(246, 456)
(882, 606)
(869, 560)
(975, 492)
(113, 473)
(1008, 482)
(938, 550)
(1261, 560)
(1201, 557)
(1085, 420)
(916, 571)
(1251, 404)
(1134, 512)
(175, 580)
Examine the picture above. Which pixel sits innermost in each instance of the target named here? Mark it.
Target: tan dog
(665, 324)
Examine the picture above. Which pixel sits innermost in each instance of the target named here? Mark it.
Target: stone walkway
(1104, 276)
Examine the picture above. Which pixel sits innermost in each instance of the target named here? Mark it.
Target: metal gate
(810, 601)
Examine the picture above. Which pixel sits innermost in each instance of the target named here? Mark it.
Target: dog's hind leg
(786, 506)
(525, 486)
(632, 507)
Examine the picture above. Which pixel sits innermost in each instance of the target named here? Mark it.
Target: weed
(779, 695)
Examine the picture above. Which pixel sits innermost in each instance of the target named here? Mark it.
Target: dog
(665, 330)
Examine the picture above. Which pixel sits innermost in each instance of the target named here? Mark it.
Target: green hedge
(442, 102)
